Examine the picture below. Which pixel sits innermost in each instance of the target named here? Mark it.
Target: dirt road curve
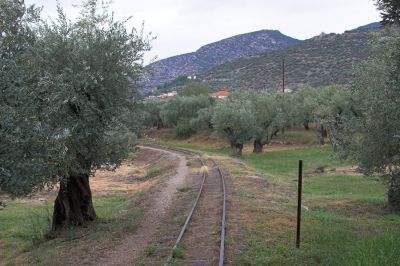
(162, 200)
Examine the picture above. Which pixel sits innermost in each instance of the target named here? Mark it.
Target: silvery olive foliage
(327, 106)
(390, 11)
(372, 135)
(234, 120)
(66, 94)
(183, 108)
(273, 111)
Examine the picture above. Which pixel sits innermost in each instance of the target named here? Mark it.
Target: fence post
(299, 194)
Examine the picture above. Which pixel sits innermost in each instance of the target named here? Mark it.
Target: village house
(220, 94)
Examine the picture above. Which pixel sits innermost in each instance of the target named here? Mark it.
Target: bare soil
(128, 178)
(132, 245)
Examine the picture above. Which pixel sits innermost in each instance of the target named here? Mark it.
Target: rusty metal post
(299, 194)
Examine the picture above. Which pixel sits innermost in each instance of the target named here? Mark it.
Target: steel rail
(223, 219)
(188, 218)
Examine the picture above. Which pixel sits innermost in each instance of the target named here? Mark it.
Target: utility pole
(283, 75)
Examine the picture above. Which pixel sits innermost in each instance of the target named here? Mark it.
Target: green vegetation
(184, 129)
(346, 219)
(24, 226)
(256, 116)
(65, 111)
(201, 141)
(284, 163)
(154, 171)
(234, 120)
(273, 112)
(183, 189)
(172, 73)
(319, 61)
(381, 250)
(390, 10)
(360, 124)
(194, 88)
(150, 249)
(178, 252)
(183, 108)
(21, 224)
(371, 136)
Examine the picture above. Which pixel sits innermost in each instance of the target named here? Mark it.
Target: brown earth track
(158, 251)
(162, 200)
(201, 241)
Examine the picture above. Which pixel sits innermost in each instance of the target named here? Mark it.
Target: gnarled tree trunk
(258, 146)
(237, 149)
(320, 133)
(394, 192)
(305, 125)
(73, 205)
(333, 136)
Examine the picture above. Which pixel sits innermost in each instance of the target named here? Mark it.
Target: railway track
(202, 237)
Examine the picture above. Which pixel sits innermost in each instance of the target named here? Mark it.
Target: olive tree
(305, 105)
(76, 94)
(336, 103)
(234, 120)
(203, 118)
(372, 136)
(152, 116)
(329, 105)
(309, 102)
(390, 11)
(183, 108)
(273, 112)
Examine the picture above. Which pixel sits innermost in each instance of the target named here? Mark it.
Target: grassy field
(23, 225)
(344, 221)
(344, 218)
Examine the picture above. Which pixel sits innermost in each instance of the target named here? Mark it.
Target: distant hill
(369, 26)
(210, 55)
(322, 60)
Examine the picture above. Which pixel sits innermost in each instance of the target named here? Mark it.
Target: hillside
(322, 60)
(214, 54)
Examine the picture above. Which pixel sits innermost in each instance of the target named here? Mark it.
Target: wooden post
(299, 194)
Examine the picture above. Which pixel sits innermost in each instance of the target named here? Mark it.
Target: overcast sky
(183, 26)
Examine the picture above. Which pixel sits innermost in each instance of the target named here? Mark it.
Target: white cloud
(183, 26)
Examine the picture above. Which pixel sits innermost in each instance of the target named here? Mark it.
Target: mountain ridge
(210, 55)
(322, 60)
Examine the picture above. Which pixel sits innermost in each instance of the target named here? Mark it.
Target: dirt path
(161, 201)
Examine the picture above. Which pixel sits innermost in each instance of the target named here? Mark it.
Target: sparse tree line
(256, 116)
